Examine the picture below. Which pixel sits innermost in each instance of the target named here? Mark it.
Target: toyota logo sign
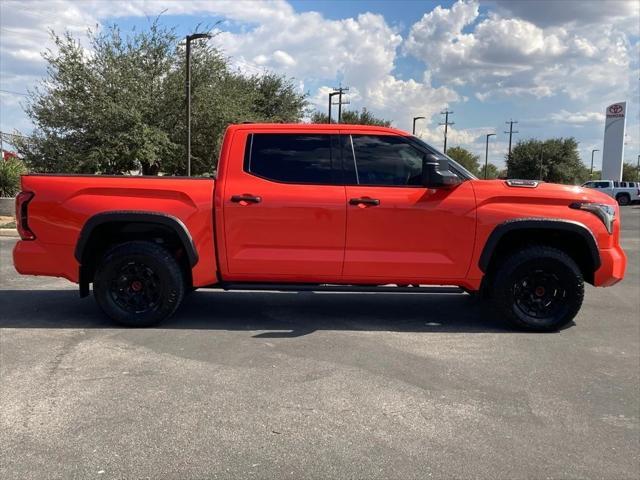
(614, 109)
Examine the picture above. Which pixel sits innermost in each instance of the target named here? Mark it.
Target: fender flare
(120, 216)
(539, 224)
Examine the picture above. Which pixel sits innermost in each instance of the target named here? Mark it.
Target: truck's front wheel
(138, 284)
(539, 288)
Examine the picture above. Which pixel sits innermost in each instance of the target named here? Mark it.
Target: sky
(554, 66)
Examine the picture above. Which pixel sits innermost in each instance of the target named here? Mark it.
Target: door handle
(248, 198)
(364, 201)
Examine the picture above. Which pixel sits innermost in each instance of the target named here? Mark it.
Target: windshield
(455, 166)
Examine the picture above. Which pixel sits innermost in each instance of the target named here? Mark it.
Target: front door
(285, 210)
(397, 230)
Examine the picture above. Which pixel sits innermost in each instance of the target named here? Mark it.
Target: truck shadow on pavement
(270, 314)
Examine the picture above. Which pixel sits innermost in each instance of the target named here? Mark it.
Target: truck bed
(62, 204)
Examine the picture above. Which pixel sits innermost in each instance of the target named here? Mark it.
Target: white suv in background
(623, 192)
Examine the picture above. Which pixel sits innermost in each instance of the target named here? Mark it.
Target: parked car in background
(321, 207)
(623, 192)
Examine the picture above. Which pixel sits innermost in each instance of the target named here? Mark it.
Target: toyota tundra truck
(321, 207)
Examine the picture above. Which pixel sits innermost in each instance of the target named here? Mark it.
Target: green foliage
(555, 160)
(352, 117)
(492, 171)
(10, 171)
(630, 172)
(467, 159)
(122, 108)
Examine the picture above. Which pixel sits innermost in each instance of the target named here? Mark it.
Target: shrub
(10, 171)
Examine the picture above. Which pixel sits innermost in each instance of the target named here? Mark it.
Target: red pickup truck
(321, 207)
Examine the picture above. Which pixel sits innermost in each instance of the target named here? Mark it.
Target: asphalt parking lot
(286, 385)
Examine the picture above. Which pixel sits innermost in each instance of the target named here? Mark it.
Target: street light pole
(541, 157)
(190, 38)
(591, 172)
(638, 169)
(486, 154)
(414, 123)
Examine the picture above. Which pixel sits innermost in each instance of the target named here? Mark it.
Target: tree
(630, 172)
(467, 159)
(555, 160)
(353, 117)
(10, 171)
(122, 107)
(492, 171)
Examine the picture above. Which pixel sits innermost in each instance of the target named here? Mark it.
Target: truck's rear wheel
(138, 284)
(623, 199)
(538, 288)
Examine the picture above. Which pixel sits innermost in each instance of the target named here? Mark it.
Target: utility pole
(510, 132)
(190, 38)
(541, 154)
(486, 154)
(414, 123)
(446, 126)
(591, 172)
(638, 169)
(340, 91)
(331, 95)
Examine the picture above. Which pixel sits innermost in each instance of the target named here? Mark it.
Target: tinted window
(386, 160)
(602, 184)
(623, 184)
(292, 158)
(615, 184)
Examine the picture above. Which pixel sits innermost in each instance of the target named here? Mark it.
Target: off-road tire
(156, 276)
(538, 288)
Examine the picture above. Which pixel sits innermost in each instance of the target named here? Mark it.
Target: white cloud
(577, 118)
(512, 56)
(567, 12)
(360, 52)
(584, 56)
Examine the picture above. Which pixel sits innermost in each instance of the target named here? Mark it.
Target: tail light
(22, 217)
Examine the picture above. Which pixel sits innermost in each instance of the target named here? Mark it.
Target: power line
(15, 93)
(10, 139)
(446, 126)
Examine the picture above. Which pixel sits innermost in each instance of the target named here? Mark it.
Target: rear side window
(291, 158)
(386, 160)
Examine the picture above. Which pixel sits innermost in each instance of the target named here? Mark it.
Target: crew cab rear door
(397, 230)
(284, 208)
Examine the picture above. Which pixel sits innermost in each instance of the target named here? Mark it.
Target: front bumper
(612, 268)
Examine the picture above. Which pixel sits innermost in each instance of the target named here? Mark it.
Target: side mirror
(436, 174)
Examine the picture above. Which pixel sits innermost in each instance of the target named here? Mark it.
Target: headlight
(606, 213)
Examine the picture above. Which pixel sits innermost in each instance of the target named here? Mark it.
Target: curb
(8, 232)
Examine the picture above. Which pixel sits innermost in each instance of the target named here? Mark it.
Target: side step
(325, 287)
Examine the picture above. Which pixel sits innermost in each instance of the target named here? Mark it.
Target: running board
(304, 287)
